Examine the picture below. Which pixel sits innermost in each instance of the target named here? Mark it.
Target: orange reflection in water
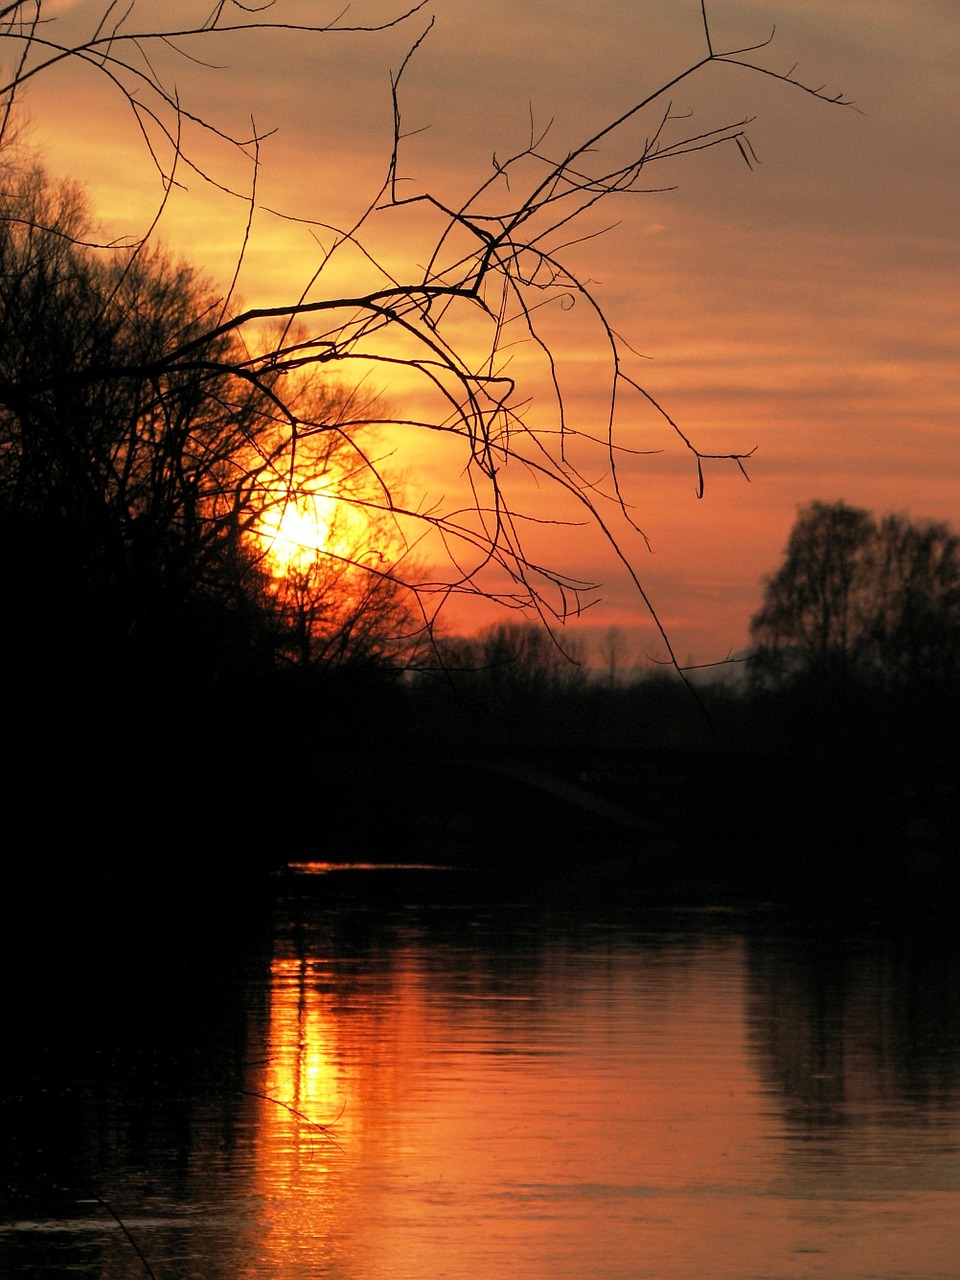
(554, 1113)
(335, 1071)
(481, 1117)
(302, 1077)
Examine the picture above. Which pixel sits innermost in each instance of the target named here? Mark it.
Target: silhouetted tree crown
(862, 600)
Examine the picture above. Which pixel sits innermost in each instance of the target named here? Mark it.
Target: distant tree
(613, 650)
(860, 601)
(917, 631)
(814, 617)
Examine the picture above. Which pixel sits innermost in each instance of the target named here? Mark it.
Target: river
(393, 1076)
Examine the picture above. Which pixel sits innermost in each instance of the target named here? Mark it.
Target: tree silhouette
(613, 653)
(857, 600)
(146, 486)
(815, 612)
(916, 640)
(499, 265)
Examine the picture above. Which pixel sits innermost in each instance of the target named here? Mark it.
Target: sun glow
(295, 530)
(304, 523)
(328, 549)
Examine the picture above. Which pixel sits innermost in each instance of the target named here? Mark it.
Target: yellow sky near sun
(807, 310)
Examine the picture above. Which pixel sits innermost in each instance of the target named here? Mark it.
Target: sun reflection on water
(462, 1108)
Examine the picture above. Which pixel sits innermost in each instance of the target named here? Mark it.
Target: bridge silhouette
(460, 795)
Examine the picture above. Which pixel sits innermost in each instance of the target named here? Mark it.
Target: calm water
(400, 1085)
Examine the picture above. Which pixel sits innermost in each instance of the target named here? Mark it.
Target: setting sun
(328, 554)
(296, 530)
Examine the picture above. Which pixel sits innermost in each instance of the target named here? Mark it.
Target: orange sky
(807, 309)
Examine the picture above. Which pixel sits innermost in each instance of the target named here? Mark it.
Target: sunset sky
(807, 309)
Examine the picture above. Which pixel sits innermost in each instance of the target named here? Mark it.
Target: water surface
(410, 1084)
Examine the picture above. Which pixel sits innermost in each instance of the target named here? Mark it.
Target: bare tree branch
(500, 261)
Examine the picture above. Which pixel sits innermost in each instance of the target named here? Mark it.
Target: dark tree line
(841, 736)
